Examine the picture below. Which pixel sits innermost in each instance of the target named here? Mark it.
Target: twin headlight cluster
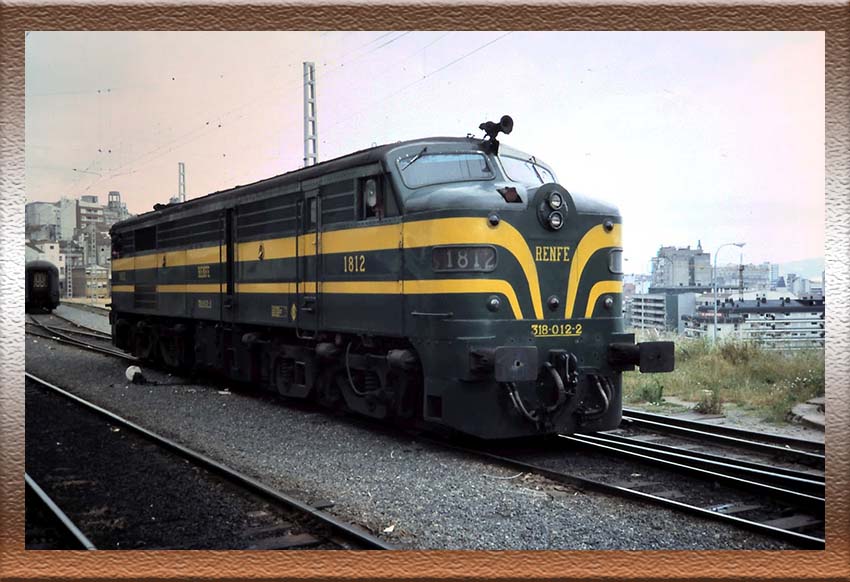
(552, 211)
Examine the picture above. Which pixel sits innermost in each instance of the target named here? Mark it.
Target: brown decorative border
(832, 564)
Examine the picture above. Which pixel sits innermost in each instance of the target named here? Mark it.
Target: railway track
(45, 331)
(798, 495)
(792, 506)
(810, 453)
(54, 529)
(324, 530)
(772, 512)
(82, 329)
(88, 334)
(792, 479)
(781, 501)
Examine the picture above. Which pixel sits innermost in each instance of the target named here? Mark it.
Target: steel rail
(51, 335)
(785, 441)
(93, 334)
(817, 476)
(799, 489)
(80, 325)
(796, 538)
(338, 526)
(63, 338)
(59, 516)
(803, 456)
(801, 499)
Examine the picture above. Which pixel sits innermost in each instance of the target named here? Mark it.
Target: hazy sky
(710, 136)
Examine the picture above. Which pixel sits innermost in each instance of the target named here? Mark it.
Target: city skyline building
(681, 267)
(73, 234)
(785, 323)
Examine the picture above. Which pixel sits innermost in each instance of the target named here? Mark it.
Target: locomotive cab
(521, 328)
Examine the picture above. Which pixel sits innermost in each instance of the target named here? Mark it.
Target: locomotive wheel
(143, 343)
(170, 351)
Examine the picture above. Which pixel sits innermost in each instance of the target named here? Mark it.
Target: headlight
(553, 208)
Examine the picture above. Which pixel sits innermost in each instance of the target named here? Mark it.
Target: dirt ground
(733, 415)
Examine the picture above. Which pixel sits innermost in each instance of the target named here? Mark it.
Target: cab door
(227, 268)
(307, 280)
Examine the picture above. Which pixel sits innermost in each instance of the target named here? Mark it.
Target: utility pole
(69, 269)
(741, 279)
(181, 182)
(311, 133)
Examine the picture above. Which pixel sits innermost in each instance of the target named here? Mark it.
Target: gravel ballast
(125, 492)
(412, 494)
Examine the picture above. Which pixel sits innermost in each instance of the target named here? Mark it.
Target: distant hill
(808, 268)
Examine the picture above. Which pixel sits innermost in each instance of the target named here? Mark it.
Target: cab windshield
(526, 171)
(424, 169)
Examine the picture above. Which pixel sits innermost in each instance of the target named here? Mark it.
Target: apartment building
(783, 323)
(660, 311)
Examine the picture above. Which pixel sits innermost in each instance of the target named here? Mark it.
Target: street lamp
(714, 282)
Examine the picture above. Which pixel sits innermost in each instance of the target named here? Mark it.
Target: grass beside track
(763, 382)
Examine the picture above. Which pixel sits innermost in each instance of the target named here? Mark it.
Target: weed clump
(652, 392)
(692, 349)
(739, 352)
(709, 402)
(744, 374)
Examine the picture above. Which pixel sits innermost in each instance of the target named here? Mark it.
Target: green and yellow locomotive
(444, 280)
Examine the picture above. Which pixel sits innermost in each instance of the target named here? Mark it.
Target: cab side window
(370, 198)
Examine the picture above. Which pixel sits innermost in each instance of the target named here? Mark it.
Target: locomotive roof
(41, 264)
(358, 158)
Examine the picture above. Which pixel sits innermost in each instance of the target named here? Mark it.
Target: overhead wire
(190, 136)
(276, 131)
(350, 116)
(195, 133)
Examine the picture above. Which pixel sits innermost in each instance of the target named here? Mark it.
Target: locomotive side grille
(194, 229)
(271, 216)
(145, 297)
(123, 243)
(338, 202)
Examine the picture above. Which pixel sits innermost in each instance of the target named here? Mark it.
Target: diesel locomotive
(41, 286)
(449, 282)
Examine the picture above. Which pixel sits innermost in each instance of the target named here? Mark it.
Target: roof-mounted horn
(492, 129)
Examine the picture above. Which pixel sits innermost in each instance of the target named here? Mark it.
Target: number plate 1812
(467, 258)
